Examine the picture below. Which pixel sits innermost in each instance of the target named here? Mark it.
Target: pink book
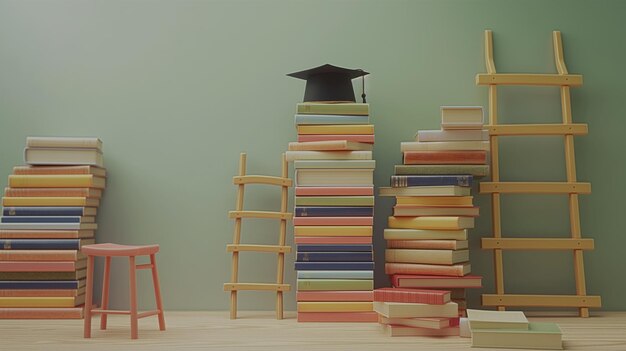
(371, 317)
(41, 266)
(333, 220)
(302, 240)
(443, 157)
(432, 297)
(335, 191)
(335, 296)
(433, 281)
(360, 138)
(457, 270)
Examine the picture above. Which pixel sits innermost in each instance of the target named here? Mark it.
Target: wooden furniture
(114, 250)
(572, 188)
(241, 181)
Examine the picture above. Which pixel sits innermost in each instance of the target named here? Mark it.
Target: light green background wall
(176, 89)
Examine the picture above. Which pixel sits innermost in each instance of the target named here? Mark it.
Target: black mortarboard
(329, 83)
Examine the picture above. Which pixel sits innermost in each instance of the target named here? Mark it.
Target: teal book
(545, 336)
(336, 275)
(330, 119)
(334, 164)
(335, 284)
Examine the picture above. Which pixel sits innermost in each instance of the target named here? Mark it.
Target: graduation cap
(330, 83)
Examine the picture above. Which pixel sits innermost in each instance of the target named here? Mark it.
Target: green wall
(177, 89)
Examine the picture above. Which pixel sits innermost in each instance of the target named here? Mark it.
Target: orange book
(335, 296)
(333, 221)
(46, 234)
(53, 192)
(329, 145)
(435, 223)
(335, 191)
(42, 292)
(41, 266)
(359, 138)
(475, 157)
(456, 270)
(41, 313)
(348, 240)
(369, 317)
(97, 171)
(40, 255)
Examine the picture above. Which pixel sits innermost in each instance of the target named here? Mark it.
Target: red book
(437, 282)
(333, 221)
(41, 266)
(335, 296)
(339, 240)
(334, 317)
(359, 138)
(475, 157)
(431, 297)
(335, 191)
(456, 270)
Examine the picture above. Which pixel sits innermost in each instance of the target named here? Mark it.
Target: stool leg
(105, 291)
(133, 298)
(157, 291)
(88, 298)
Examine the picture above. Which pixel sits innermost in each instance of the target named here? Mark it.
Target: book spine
(44, 201)
(359, 138)
(78, 143)
(340, 221)
(25, 302)
(41, 313)
(333, 240)
(355, 211)
(80, 274)
(336, 275)
(51, 181)
(335, 295)
(330, 266)
(53, 192)
(332, 230)
(424, 269)
(423, 244)
(417, 296)
(338, 317)
(332, 248)
(38, 266)
(40, 284)
(45, 234)
(405, 181)
(38, 244)
(59, 170)
(39, 255)
(444, 157)
(337, 129)
(430, 169)
(40, 219)
(334, 257)
(41, 292)
(330, 119)
(432, 223)
(335, 306)
(333, 109)
(43, 211)
(335, 284)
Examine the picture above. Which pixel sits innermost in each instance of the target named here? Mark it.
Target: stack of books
(427, 246)
(334, 212)
(416, 312)
(48, 213)
(511, 329)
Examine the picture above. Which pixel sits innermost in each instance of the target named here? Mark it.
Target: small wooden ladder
(241, 181)
(571, 187)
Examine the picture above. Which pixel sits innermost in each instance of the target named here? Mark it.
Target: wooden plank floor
(259, 331)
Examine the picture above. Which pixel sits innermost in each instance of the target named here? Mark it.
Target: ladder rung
(147, 313)
(537, 244)
(537, 129)
(541, 300)
(258, 248)
(102, 311)
(144, 266)
(573, 80)
(256, 179)
(535, 188)
(260, 214)
(256, 286)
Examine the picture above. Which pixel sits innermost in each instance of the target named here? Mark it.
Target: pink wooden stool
(108, 251)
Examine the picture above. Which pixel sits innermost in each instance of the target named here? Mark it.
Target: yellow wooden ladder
(241, 181)
(571, 187)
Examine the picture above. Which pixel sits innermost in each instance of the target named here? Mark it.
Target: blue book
(38, 284)
(334, 257)
(401, 181)
(40, 219)
(334, 248)
(331, 119)
(334, 266)
(336, 275)
(306, 211)
(40, 244)
(44, 211)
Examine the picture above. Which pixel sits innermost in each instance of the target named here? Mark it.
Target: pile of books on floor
(334, 212)
(511, 329)
(427, 246)
(48, 213)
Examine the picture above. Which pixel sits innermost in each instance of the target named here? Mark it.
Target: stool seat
(110, 249)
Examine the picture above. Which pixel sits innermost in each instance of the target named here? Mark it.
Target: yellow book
(335, 306)
(325, 108)
(337, 129)
(24, 302)
(56, 181)
(50, 201)
(440, 222)
(332, 230)
(433, 201)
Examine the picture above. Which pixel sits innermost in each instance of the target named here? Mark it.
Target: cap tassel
(363, 88)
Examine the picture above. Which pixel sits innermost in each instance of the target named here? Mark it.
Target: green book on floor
(538, 336)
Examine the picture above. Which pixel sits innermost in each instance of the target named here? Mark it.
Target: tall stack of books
(511, 329)
(334, 212)
(427, 246)
(48, 213)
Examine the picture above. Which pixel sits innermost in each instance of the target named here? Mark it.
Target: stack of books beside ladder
(334, 211)
(427, 236)
(48, 213)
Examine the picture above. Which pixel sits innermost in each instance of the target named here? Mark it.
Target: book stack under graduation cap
(427, 246)
(48, 213)
(334, 209)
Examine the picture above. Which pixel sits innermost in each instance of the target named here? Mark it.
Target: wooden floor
(259, 331)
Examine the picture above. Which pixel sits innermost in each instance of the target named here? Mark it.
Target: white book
(416, 310)
(64, 142)
(461, 117)
(444, 145)
(537, 336)
(334, 177)
(63, 156)
(444, 190)
(485, 319)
